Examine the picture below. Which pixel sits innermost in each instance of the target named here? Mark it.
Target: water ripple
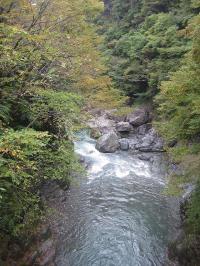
(118, 215)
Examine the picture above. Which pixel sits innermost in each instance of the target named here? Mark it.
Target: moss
(95, 133)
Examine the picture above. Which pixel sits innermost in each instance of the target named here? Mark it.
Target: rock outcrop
(138, 117)
(135, 134)
(151, 142)
(124, 127)
(101, 124)
(143, 129)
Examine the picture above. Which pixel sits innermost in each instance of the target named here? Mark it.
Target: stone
(172, 143)
(145, 157)
(108, 143)
(124, 144)
(95, 133)
(123, 127)
(138, 117)
(117, 118)
(102, 123)
(151, 142)
(133, 142)
(81, 159)
(143, 129)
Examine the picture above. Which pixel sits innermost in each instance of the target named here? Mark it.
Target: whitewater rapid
(117, 213)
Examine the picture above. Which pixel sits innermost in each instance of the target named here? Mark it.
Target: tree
(50, 63)
(144, 45)
(179, 110)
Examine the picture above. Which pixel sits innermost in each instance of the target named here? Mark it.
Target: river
(117, 214)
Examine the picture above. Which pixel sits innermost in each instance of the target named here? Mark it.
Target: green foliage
(50, 63)
(108, 99)
(153, 50)
(193, 213)
(174, 187)
(144, 44)
(60, 107)
(155, 6)
(179, 110)
(179, 99)
(195, 3)
(28, 158)
(19, 175)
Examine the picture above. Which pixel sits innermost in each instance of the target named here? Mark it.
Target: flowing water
(118, 215)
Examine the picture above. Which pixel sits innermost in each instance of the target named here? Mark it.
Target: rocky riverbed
(132, 132)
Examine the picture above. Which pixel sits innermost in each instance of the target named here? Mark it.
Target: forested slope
(58, 56)
(145, 41)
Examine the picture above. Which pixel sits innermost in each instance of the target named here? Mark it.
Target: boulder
(108, 143)
(143, 129)
(117, 118)
(172, 143)
(133, 142)
(81, 159)
(138, 117)
(151, 142)
(42, 254)
(123, 127)
(102, 124)
(145, 157)
(124, 144)
(95, 133)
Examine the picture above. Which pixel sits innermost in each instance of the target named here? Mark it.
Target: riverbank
(140, 171)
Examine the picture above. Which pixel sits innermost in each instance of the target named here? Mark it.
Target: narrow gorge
(100, 133)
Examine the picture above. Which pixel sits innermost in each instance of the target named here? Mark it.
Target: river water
(117, 215)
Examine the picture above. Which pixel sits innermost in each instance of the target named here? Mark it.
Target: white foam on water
(121, 165)
(121, 171)
(96, 159)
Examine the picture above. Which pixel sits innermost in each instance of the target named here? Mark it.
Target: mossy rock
(95, 133)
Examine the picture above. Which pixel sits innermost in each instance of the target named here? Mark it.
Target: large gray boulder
(124, 127)
(143, 129)
(145, 157)
(124, 144)
(138, 117)
(101, 124)
(151, 142)
(108, 143)
(133, 142)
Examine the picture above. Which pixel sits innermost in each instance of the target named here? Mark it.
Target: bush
(28, 158)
